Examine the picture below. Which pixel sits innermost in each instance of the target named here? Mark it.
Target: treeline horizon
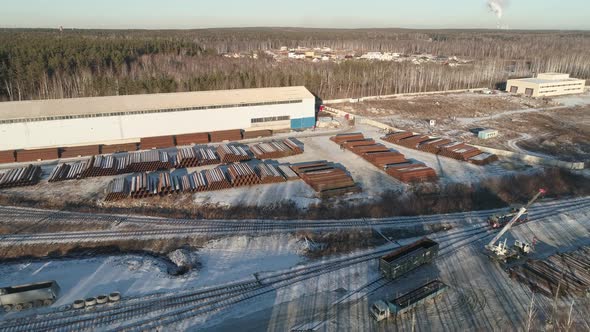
(46, 63)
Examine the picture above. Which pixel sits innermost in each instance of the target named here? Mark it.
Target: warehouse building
(120, 119)
(546, 85)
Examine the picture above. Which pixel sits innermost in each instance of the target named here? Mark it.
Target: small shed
(487, 133)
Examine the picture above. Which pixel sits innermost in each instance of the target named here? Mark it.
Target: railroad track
(156, 310)
(266, 227)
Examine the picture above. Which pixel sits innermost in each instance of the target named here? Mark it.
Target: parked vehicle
(500, 220)
(384, 309)
(408, 258)
(29, 295)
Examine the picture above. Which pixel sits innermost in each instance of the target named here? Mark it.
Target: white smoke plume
(497, 7)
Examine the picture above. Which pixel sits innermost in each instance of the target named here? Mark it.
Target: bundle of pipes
(412, 142)
(257, 133)
(225, 135)
(145, 161)
(397, 136)
(207, 156)
(288, 172)
(117, 189)
(326, 179)
(194, 182)
(232, 153)
(7, 157)
(341, 138)
(36, 155)
(272, 150)
(364, 149)
(166, 184)
(80, 151)
(483, 158)
(157, 142)
(19, 177)
(242, 175)
(441, 146)
(358, 143)
(269, 173)
(141, 185)
(114, 148)
(411, 172)
(70, 171)
(100, 166)
(567, 272)
(216, 179)
(195, 138)
(187, 157)
(381, 159)
(433, 145)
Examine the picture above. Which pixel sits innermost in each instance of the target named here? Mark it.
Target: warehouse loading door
(513, 89)
(528, 92)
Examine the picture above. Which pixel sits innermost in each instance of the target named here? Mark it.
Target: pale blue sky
(184, 14)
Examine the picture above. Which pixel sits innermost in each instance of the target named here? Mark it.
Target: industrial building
(546, 85)
(120, 119)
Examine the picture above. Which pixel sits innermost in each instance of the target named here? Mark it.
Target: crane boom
(515, 218)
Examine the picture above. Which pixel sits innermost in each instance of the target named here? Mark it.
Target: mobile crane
(503, 252)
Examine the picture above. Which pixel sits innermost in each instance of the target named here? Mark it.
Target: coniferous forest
(42, 64)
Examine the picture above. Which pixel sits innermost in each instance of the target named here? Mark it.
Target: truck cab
(500, 220)
(380, 311)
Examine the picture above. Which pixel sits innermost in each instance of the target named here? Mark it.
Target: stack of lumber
(269, 173)
(7, 157)
(114, 148)
(35, 155)
(272, 150)
(156, 142)
(326, 179)
(232, 153)
(257, 133)
(242, 175)
(187, 157)
(207, 156)
(100, 166)
(411, 172)
(80, 151)
(216, 179)
(117, 189)
(288, 173)
(225, 135)
(196, 138)
(20, 177)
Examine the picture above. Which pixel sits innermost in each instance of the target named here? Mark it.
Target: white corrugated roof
(146, 102)
(545, 81)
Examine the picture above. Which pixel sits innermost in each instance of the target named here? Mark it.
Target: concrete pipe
(7, 307)
(78, 304)
(89, 302)
(18, 307)
(115, 296)
(47, 302)
(102, 299)
(27, 305)
(38, 303)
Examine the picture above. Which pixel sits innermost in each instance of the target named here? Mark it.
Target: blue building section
(302, 123)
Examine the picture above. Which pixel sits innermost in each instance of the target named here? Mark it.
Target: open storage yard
(556, 127)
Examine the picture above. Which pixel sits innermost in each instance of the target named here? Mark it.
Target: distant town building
(546, 84)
